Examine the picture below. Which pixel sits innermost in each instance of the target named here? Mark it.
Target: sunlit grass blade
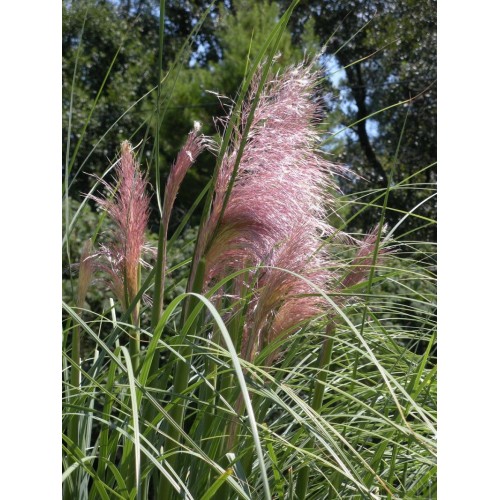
(135, 421)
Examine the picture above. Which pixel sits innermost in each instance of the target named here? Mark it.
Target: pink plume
(129, 210)
(277, 210)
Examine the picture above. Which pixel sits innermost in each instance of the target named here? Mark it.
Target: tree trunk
(358, 89)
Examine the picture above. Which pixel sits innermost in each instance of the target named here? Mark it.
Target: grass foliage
(162, 403)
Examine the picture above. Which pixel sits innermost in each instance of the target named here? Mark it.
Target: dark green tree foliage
(129, 31)
(388, 50)
(106, 33)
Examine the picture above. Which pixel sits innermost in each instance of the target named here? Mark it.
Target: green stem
(73, 393)
(324, 358)
(104, 444)
(135, 341)
(209, 396)
(159, 278)
(158, 305)
(75, 380)
(227, 377)
(162, 236)
(228, 440)
(135, 349)
(181, 380)
(130, 293)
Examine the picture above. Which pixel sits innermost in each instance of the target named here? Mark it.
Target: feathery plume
(276, 212)
(129, 210)
(284, 298)
(187, 155)
(275, 219)
(281, 179)
(194, 145)
(359, 268)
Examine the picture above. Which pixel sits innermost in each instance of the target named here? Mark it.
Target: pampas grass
(286, 367)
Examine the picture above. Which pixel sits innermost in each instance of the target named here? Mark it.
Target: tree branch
(358, 89)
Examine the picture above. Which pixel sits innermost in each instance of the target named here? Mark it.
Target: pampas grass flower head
(128, 209)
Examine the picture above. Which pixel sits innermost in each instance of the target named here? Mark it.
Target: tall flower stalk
(194, 145)
(128, 208)
(271, 218)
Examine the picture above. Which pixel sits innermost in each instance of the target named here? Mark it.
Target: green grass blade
(244, 390)
(135, 419)
(217, 484)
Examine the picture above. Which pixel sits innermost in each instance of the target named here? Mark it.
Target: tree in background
(114, 47)
(387, 50)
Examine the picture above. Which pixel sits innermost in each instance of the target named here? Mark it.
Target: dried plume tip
(194, 145)
(360, 267)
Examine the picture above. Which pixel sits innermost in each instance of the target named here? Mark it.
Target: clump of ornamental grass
(268, 223)
(277, 378)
